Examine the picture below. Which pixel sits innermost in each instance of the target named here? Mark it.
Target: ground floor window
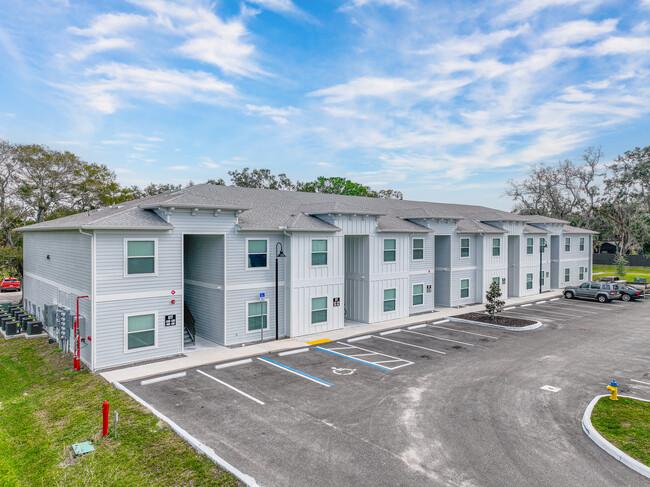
(389, 299)
(567, 275)
(257, 315)
(497, 280)
(319, 310)
(529, 281)
(140, 331)
(582, 273)
(541, 277)
(464, 288)
(418, 294)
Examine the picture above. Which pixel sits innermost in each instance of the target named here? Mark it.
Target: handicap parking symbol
(343, 371)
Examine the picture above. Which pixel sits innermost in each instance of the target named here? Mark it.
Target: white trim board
(59, 286)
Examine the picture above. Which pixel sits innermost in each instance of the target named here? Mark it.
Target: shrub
(494, 305)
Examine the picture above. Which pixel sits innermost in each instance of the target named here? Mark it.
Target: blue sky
(442, 100)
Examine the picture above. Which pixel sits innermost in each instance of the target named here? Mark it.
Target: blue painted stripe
(351, 358)
(296, 371)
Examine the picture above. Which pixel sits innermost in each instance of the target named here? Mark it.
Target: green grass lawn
(45, 407)
(632, 272)
(626, 424)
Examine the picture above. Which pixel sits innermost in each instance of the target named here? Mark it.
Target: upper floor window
(529, 245)
(582, 244)
(418, 249)
(141, 257)
(542, 245)
(567, 244)
(464, 247)
(319, 252)
(257, 253)
(389, 250)
(496, 247)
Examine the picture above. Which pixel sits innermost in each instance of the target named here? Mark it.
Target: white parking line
(164, 377)
(463, 331)
(411, 345)
(439, 338)
(641, 382)
(295, 371)
(553, 313)
(232, 364)
(293, 352)
(231, 387)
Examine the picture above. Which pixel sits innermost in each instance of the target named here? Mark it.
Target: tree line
(612, 199)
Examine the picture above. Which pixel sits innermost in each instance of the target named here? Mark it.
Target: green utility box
(34, 327)
(12, 328)
(4, 322)
(5, 306)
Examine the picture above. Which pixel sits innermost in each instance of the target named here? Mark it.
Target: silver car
(600, 291)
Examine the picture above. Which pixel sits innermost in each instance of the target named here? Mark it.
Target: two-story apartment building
(211, 251)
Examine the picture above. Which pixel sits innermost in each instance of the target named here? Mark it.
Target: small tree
(494, 305)
(621, 265)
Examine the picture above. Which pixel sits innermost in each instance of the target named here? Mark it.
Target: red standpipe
(105, 418)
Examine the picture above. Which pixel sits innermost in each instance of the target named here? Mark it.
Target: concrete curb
(196, 444)
(597, 438)
(500, 327)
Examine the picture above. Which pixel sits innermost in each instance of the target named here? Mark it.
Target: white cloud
(178, 168)
(622, 45)
(104, 34)
(388, 3)
(278, 115)
(276, 5)
(525, 9)
(579, 31)
(645, 3)
(365, 87)
(475, 43)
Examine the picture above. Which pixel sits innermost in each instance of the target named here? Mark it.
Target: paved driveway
(440, 404)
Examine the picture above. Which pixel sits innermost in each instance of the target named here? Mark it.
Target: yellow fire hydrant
(613, 388)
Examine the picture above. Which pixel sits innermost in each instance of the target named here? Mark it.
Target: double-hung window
(541, 277)
(389, 250)
(418, 294)
(464, 247)
(141, 331)
(567, 274)
(257, 315)
(567, 244)
(497, 281)
(464, 288)
(140, 257)
(529, 281)
(496, 247)
(542, 245)
(581, 274)
(582, 244)
(389, 299)
(257, 254)
(319, 310)
(529, 246)
(318, 252)
(418, 249)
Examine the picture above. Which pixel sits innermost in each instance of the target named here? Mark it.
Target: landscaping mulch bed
(498, 320)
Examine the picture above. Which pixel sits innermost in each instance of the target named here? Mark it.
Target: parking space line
(463, 331)
(554, 314)
(411, 345)
(641, 382)
(296, 372)
(354, 356)
(164, 377)
(439, 338)
(231, 387)
(351, 358)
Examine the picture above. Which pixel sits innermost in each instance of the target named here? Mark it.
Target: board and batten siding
(425, 280)
(389, 275)
(236, 313)
(301, 309)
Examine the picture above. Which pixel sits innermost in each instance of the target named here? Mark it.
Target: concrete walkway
(224, 354)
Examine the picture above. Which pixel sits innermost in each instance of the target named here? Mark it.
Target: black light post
(541, 270)
(278, 254)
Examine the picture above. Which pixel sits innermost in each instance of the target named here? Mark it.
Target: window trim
(126, 331)
(155, 256)
(567, 274)
(383, 255)
(268, 308)
(383, 300)
(469, 287)
(567, 239)
(582, 245)
(413, 294)
(311, 252)
(581, 274)
(531, 246)
(532, 280)
(413, 248)
(246, 255)
(326, 309)
(469, 252)
(497, 239)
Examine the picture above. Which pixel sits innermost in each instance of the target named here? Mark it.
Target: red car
(9, 284)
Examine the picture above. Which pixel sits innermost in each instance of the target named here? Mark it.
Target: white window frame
(383, 300)
(268, 310)
(126, 256)
(542, 241)
(496, 279)
(413, 248)
(582, 244)
(267, 255)
(469, 248)
(469, 287)
(565, 274)
(531, 281)
(383, 251)
(311, 252)
(567, 239)
(413, 294)
(581, 274)
(531, 246)
(498, 239)
(326, 308)
(126, 331)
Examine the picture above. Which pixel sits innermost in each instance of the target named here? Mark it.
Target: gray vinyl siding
(236, 309)
(428, 263)
(110, 331)
(461, 262)
(574, 259)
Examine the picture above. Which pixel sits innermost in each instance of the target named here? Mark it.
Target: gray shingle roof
(535, 230)
(542, 219)
(271, 210)
(571, 229)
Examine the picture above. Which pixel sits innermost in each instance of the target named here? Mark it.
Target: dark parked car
(628, 293)
(9, 284)
(600, 291)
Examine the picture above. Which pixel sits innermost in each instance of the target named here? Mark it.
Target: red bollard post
(105, 422)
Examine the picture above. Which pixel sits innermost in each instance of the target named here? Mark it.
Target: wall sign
(428, 288)
(503, 280)
(336, 302)
(170, 320)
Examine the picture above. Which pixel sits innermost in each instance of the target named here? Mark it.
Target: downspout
(93, 286)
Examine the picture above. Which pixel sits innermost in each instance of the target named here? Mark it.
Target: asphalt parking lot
(438, 404)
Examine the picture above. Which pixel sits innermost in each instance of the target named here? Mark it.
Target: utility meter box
(82, 325)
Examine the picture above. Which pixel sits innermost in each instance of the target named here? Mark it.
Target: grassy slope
(632, 272)
(626, 424)
(45, 407)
